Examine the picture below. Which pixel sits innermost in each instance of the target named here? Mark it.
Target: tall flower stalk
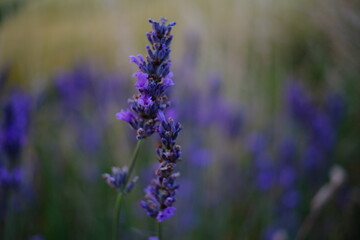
(146, 115)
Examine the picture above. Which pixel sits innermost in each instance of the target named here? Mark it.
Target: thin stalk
(118, 204)
(9, 216)
(133, 161)
(121, 193)
(159, 231)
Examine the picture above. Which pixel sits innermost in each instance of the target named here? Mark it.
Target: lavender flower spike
(160, 194)
(118, 178)
(152, 80)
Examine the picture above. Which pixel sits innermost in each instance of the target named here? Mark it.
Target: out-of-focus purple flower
(15, 124)
(319, 122)
(153, 238)
(322, 131)
(73, 86)
(299, 103)
(256, 143)
(287, 176)
(264, 170)
(303, 157)
(228, 116)
(90, 138)
(153, 78)
(287, 151)
(290, 198)
(265, 179)
(335, 107)
(36, 237)
(4, 176)
(313, 157)
(200, 156)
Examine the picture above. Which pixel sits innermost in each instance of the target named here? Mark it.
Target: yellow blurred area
(46, 35)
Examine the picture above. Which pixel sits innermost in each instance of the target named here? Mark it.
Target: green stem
(9, 216)
(133, 161)
(121, 193)
(119, 200)
(159, 231)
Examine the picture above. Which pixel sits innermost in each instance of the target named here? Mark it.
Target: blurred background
(268, 93)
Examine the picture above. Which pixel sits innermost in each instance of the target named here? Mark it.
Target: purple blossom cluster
(84, 103)
(304, 159)
(13, 136)
(160, 194)
(152, 80)
(15, 116)
(146, 115)
(118, 179)
(319, 120)
(15, 124)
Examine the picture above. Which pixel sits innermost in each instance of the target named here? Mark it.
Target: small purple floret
(168, 81)
(166, 213)
(125, 115)
(118, 178)
(141, 82)
(145, 101)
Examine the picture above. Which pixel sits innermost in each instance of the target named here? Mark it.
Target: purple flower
(256, 143)
(166, 213)
(313, 157)
(290, 199)
(299, 103)
(287, 176)
(125, 115)
(200, 156)
(265, 179)
(11, 177)
(168, 81)
(118, 179)
(145, 101)
(141, 81)
(153, 78)
(16, 117)
(160, 194)
(335, 107)
(4, 176)
(153, 238)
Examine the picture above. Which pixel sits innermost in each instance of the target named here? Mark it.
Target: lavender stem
(133, 161)
(121, 193)
(119, 200)
(159, 230)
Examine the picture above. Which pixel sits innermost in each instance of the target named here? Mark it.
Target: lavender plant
(13, 137)
(152, 79)
(303, 160)
(146, 115)
(76, 109)
(160, 194)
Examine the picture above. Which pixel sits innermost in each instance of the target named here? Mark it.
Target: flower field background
(268, 93)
